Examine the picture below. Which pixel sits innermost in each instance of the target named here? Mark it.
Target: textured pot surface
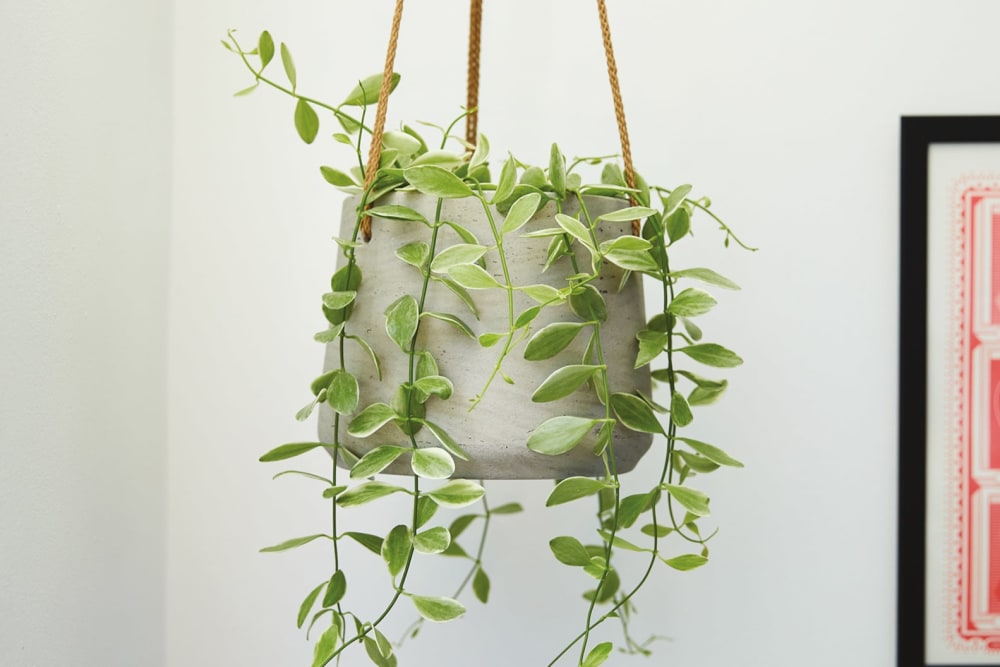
(494, 433)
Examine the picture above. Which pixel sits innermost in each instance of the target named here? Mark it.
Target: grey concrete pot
(495, 432)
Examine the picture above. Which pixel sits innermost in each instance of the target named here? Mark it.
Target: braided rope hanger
(472, 97)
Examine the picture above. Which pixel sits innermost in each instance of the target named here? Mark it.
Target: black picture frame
(918, 134)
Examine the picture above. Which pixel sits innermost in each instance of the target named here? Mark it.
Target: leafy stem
(509, 287)
(259, 76)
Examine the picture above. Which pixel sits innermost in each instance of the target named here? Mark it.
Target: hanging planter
(473, 328)
(485, 321)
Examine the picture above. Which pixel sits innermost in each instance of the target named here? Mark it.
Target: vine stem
(509, 287)
(259, 76)
(711, 214)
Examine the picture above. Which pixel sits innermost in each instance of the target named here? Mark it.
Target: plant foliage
(640, 521)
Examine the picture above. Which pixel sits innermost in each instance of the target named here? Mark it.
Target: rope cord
(616, 95)
(472, 81)
(375, 150)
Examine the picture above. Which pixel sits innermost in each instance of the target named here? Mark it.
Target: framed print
(949, 391)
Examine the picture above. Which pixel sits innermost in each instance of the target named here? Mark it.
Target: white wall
(785, 112)
(84, 209)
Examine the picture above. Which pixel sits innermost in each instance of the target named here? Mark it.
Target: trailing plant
(663, 522)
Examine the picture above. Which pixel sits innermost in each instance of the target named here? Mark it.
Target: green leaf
(620, 542)
(706, 276)
(628, 214)
(326, 646)
(432, 463)
(403, 142)
(379, 650)
(335, 591)
(472, 276)
(432, 541)
(246, 91)
(367, 492)
(692, 500)
(557, 171)
(508, 508)
(570, 551)
(337, 300)
(480, 154)
(371, 419)
(367, 90)
(459, 525)
(331, 334)
(563, 382)
(508, 178)
(426, 366)
(686, 562)
(437, 609)
(401, 320)
(376, 461)
(676, 198)
(542, 293)
(678, 224)
(307, 605)
(460, 292)
(680, 412)
(631, 507)
(696, 462)
(633, 260)
(656, 531)
(573, 488)
(346, 279)
(294, 542)
(306, 121)
(290, 450)
(426, 509)
(265, 49)
(435, 385)
(634, 413)
(342, 392)
(453, 320)
(712, 354)
(396, 549)
(397, 212)
(691, 302)
(443, 159)
(289, 65)
(457, 493)
(588, 304)
(711, 452)
(596, 567)
(490, 339)
(651, 344)
(560, 434)
(461, 253)
(414, 254)
(481, 585)
(446, 440)
(527, 317)
(437, 182)
(576, 229)
(456, 551)
(626, 243)
(336, 177)
(551, 340)
(598, 655)
(371, 542)
(705, 396)
(371, 354)
(520, 212)
(331, 492)
(691, 328)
